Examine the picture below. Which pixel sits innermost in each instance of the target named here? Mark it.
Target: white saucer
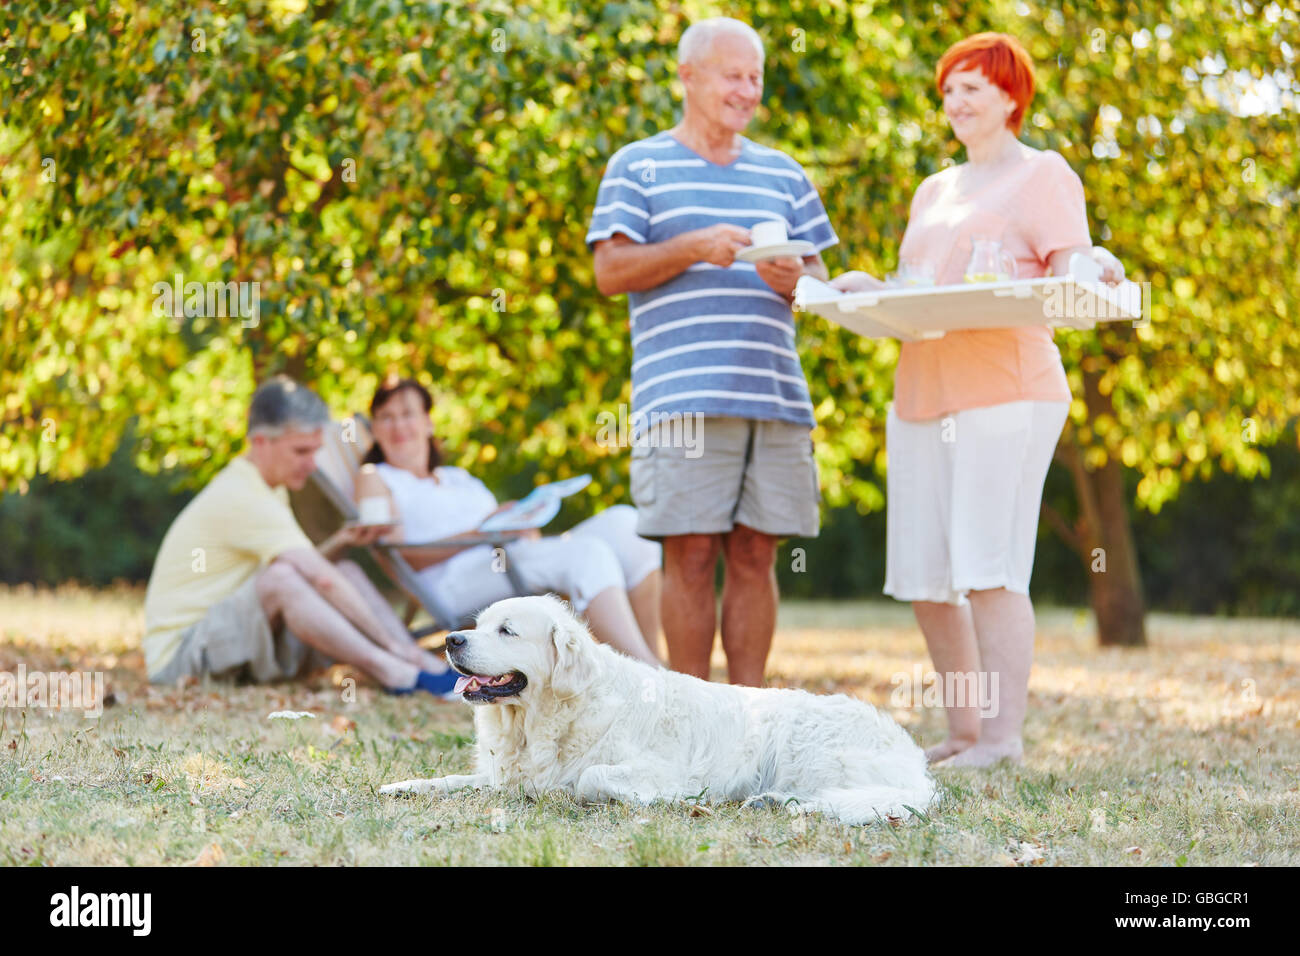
(793, 247)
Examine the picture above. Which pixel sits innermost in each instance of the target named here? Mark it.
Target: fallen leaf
(341, 724)
(699, 810)
(1133, 850)
(1029, 855)
(211, 855)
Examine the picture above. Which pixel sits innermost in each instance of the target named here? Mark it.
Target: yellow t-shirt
(233, 528)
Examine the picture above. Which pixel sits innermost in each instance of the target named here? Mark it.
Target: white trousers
(602, 552)
(964, 493)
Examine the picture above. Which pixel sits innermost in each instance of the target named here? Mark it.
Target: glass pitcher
(989, 262)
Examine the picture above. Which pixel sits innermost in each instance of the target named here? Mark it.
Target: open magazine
(537, 508)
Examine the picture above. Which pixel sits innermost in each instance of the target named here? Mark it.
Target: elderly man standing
(239, 590)
(714, 337)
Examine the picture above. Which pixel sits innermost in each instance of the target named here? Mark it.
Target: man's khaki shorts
(234, 641)
(734, 471)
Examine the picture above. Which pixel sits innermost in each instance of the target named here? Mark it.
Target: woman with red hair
(977, 413)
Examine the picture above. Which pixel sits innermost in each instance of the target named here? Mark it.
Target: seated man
(238, 589)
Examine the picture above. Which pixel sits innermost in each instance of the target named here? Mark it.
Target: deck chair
(327, 501)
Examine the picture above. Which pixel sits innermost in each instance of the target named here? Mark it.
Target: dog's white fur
(602, 726)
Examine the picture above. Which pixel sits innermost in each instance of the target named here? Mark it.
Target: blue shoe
(442, 686)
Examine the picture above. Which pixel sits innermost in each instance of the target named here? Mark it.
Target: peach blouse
(1035, 209)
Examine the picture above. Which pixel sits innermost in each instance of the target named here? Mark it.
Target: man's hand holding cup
(375, 519)
(780, 273)
(719, 244)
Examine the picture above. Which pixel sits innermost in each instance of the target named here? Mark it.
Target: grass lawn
(1186, 752)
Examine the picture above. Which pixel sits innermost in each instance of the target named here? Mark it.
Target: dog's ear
(574, 662)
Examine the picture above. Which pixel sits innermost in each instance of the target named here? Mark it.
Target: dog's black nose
(456, 639)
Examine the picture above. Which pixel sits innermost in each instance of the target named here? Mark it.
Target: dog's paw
(405, 788)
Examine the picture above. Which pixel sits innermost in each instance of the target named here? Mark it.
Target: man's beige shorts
(234, 640)
(725, 472)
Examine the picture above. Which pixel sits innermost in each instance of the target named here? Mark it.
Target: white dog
(556, 710)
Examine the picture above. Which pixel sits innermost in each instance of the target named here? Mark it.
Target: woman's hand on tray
(856, 282)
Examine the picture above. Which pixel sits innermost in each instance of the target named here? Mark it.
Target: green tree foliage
(409, 184)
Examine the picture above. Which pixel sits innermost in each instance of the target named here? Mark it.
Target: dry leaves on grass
(210, 855)
(1028, 854)
(207, 773)
(340, 725)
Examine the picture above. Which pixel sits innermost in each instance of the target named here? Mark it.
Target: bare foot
(427, 661)
(987, 754)
(944, 750)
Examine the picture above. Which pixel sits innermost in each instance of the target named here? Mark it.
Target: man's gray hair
(698, 38)
(280, 404)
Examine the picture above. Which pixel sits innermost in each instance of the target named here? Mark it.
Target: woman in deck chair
(610, 575)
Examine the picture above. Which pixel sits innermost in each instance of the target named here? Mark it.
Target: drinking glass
(989, 262)
(912, 273)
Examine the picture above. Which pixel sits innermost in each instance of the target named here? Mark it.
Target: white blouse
(430, 510)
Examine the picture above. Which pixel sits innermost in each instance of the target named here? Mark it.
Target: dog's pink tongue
(461, 684)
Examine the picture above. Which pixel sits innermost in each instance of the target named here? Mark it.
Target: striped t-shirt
(710, 340)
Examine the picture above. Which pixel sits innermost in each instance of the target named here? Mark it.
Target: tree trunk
(1103, 534)
(1114, 580)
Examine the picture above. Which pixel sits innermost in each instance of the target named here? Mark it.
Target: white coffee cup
(769, 232)
(374, 510)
